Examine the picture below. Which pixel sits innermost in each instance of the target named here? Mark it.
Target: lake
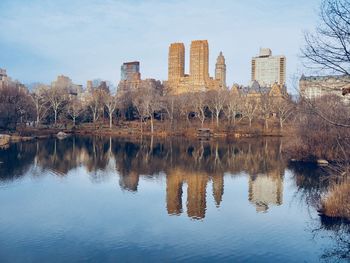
(101, 199)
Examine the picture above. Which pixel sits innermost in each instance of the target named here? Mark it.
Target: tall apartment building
(130, 71)
(198, 79)
(176, 62)
(199, 61)
(131, 79)
(220, 70)
(268, 69)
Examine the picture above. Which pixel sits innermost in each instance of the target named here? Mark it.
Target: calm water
(112, 200)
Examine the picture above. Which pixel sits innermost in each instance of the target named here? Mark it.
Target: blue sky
(87, 39)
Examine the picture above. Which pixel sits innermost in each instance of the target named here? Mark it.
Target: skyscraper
(268, 69)
(176, 61)
(199, 61)
(220, 70)
(198, 79)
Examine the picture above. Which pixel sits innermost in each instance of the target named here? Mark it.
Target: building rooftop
(132, 63)
(265, 52)
(326, 77)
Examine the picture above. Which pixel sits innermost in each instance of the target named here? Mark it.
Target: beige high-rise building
(220, 70)
(198, 79)
(267, 69)
(199, 61)
(176, 62)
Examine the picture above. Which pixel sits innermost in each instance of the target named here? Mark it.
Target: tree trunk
(141, 124)
(55, 117)
(110, 121)
(152, 128)
(250, 122)
(217, 120)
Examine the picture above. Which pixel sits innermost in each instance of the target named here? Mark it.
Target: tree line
(58, 105)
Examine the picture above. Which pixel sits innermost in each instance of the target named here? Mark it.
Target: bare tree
(146, 99)
(329, 46)
(200, 104)
(75, 108)
(95, 104)
(15, 105)
(57, 97)
(233, 106)
(284, 108)
(217, 101)
(110, 103)
(249, 108)
(40, 102)
(170, 104)
(265, 108)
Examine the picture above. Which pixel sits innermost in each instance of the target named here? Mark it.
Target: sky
(89, 39)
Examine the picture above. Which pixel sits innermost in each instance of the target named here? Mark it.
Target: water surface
(104, 199)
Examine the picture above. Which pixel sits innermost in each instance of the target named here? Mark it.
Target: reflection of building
(196, 192)
(129, 181)
(198, 79)
(265, 190)
(317, 86)
(174, 185)
(268, 69)
(218, 188)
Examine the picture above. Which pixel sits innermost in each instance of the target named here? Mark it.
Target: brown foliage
(337, 202)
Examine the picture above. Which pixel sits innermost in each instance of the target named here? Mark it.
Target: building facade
(268, 69)
(199, 61)
(130, 71)
(198, 78)
(314, 87)
(64, 82)
(220, 70)
(131, 80)
(176, 62)
(3, 77)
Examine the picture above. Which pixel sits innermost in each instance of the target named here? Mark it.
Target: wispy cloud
(88, 39)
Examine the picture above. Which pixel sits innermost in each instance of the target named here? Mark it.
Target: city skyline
(48, 39)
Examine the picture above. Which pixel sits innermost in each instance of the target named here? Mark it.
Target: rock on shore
(61, 135)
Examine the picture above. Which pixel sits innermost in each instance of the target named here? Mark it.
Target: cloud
(89, 39)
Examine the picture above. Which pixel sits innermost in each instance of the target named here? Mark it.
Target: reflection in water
(193, 170)
(191, 163)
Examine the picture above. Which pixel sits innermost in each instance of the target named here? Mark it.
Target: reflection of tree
(16, 160)
(61, 156)
(310, 185)
(339, 232)
(193, 162)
